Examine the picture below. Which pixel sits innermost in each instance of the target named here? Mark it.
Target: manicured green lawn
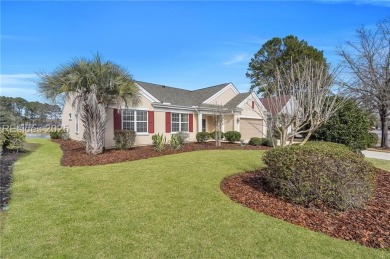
(380, 163)
(166, 207)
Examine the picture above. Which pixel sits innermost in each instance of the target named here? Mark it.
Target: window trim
(180, 122)
(144, 133)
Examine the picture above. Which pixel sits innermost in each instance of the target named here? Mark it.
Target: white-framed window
(76, 123)
(179, 122)
(136, 120)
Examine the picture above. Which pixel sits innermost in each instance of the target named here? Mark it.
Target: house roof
(275, 104)
(233, 103)
(177, 96)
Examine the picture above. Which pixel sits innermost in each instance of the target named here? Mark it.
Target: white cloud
(239, 58)
(384, 3)
(19, 85)
(17, 79)
(16, 38)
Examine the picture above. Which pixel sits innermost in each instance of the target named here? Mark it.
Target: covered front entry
(251, 128)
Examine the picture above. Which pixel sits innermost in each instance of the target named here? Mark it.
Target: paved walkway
(376, 154)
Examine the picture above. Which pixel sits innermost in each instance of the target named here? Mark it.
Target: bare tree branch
(368, 62)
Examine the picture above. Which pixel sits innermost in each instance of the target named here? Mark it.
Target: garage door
(251, 128)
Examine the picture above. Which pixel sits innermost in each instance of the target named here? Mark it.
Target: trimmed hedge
(255, 141)
(232, 136)
(124, 139)
(320, 174)
(202, 137)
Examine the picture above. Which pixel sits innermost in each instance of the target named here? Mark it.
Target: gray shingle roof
(177, 96)
(233, 103)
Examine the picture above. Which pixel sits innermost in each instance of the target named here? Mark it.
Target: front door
(203, 125)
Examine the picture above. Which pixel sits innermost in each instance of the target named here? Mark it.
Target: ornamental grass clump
(158, 142)
(320, 174)
(175, 142)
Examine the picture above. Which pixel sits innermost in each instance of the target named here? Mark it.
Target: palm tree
(92, 85)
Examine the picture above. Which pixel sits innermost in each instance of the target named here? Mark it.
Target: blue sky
(183, 44)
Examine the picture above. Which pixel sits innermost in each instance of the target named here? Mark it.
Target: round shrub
(232, 136)
(13, 140)
(212, 134)
(182, 136)
(320, 174)
(372, 139)
(202, 137)
(267, 142)
(57, 134)
(255, 141)
(350, 126)
(124, 139)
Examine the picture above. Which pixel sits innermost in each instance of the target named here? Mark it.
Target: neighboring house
(169, 110)
(277, 105)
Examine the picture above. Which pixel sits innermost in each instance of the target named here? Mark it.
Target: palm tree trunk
(93, 117)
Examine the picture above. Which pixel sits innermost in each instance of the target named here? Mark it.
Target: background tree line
(291, 67)
(16, 111)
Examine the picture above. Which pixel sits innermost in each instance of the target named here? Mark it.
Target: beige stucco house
(169, 110)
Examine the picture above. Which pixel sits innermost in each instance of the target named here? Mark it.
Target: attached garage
(251, 128)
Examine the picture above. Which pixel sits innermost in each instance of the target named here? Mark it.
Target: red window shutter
(117, 120)
(168, 122)
(191, 122)
(253, 104)
(151, 121)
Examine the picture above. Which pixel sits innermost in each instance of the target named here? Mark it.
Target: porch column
(200, 122)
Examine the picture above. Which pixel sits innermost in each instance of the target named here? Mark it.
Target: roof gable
(275, 104)
(224, 88)
(237, 100)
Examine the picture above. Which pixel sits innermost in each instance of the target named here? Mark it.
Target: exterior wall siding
(229, 123)
(224, 98)
(69, 121)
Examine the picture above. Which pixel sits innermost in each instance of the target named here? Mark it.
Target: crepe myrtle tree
(218, 118)
(92, 84)
(367, 61)
(308, 85)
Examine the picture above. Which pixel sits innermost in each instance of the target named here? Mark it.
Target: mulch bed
(75, 155)
(6, 162)
(369, 226)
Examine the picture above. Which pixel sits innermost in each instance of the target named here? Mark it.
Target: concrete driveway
(376, 154)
